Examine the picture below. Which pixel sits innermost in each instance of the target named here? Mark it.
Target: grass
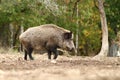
(7, 51)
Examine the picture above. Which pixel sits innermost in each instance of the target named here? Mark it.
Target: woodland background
(82, 17)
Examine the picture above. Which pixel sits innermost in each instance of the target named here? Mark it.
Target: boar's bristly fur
(47, 37)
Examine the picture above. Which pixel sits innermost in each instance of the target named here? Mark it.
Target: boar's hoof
(31, 58)
(53, 61)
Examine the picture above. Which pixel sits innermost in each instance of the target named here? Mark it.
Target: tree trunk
(11, 36)
(105, 44)
(77, 25)
(21, 31)
(16, 33)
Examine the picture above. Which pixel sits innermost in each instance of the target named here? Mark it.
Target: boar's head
(68, 43)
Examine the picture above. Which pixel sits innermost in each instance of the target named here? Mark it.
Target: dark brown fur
(48, 37)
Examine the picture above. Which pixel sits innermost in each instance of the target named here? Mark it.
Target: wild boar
(47, 37)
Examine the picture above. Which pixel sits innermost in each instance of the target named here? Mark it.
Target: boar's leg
(25, 57)
(49, 54)
(51, 47)
(55, 54)
(28, 52)
(54, 50)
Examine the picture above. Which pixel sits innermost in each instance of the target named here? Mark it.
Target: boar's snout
(72, 50)
(69, 45)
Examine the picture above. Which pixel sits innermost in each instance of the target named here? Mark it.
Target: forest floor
(13, 67)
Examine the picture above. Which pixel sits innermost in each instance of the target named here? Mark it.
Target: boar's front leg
(55, 54)
(51, 47)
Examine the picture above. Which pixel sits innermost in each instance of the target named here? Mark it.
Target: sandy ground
(13, 67)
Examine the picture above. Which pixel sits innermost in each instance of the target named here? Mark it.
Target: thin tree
(75, 9)
(105, 44)
(21, 31)
(11, 35)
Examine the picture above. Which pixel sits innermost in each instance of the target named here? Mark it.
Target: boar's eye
(68, 35)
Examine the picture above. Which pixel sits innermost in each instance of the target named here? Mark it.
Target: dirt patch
(13, 67)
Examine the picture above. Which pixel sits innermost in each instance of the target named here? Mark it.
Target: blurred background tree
(22, 14)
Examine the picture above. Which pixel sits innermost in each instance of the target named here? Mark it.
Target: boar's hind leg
(25, 57)
(28, 52)
(49, 54)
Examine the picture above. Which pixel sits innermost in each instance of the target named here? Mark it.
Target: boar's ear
(68, 35)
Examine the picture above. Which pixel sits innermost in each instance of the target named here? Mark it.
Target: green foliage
(30, 13)
(112, 13)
